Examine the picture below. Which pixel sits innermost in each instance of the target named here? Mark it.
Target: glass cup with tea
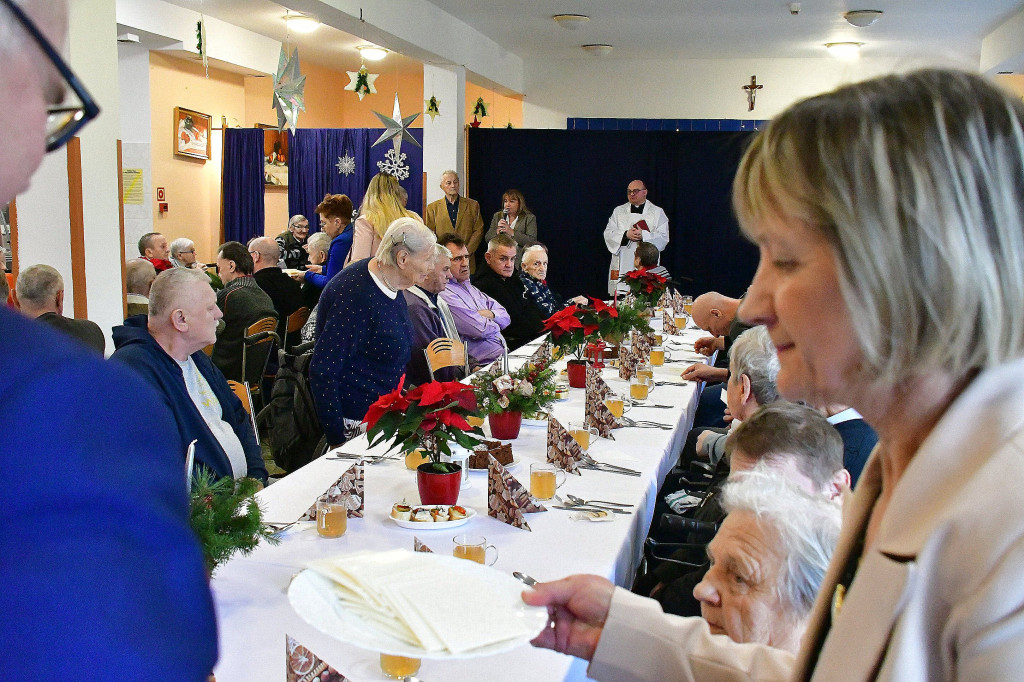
(640, 388)
(398, 667)
(659, 355)
(688, 305)
(473, 548)
(644, 369)
(617, 404)
(332, 518)
(544, 480)
(582, 434)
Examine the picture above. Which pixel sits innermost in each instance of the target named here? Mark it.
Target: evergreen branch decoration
(226, 517)
(481, 108)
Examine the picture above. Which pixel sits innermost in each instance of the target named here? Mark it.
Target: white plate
(511, 466)
(311, 595)
(434, 525)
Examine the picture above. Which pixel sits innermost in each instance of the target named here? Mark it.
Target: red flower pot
(505, 426)
(438, 488)
(577, 373)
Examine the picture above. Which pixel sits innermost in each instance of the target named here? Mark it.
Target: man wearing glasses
(635, 221)
(102, 576)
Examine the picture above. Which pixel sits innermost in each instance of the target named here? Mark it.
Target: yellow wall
(1012, 82)
(500, 109)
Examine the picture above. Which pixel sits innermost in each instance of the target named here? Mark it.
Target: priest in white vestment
(638, 220)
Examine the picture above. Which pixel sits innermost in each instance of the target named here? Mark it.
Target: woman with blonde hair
(382, 205)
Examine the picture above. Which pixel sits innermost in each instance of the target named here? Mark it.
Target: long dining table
(250, 593)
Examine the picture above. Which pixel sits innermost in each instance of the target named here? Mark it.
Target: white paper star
(396, 128)
(289, 84)
(370, 78)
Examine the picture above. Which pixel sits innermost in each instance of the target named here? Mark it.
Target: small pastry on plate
(456, 512)
(400, 511)
(421, 514)
(440, 513)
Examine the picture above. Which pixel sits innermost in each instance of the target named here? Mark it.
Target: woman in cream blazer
(890, 220)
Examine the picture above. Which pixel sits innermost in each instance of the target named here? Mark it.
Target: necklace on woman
(380, 269)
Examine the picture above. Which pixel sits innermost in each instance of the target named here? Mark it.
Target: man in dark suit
(243, 304)
(284, 291)
(498, 281)
(41, 294)
(457, 214)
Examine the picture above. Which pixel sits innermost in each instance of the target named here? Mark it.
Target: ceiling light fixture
(862, 17)
(301, 23)
(571, 21)
(844, 50)
(372, 53)
(597, 49)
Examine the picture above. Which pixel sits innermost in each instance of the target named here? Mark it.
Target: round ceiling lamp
(848, 50)
(862, 17)
(597, 49)
(372, 53)
(571, 21)
(301, 23)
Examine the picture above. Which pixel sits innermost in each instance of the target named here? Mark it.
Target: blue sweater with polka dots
(363, 347)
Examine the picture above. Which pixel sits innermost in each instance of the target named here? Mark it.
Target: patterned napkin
(349, 487)
(542, 354)
(629, 299)
(507, 499)
(596, 384)
(305, 666)
(418, 546)
(596, 412)
(669, 322)
(494, 367)
(666, 299)
(628, 361)
(641, 345)
(677, 302)
(563, 450)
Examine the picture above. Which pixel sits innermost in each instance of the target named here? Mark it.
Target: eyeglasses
(62, 120)
(636, 191)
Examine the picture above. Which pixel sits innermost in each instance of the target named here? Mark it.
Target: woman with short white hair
(364, 336)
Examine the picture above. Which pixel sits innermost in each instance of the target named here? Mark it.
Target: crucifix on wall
(752, 89)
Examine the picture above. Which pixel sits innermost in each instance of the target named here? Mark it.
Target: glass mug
(657, 339)
(680, 320)
(617, 404)
(473, 548)
(659, 355)
(416, 458)
(640, 387)
(688, 305)
(582, 434)
(398, 667)
(544, 480)
(331, 519)
(644, 369)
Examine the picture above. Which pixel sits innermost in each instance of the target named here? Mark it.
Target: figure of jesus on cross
(752, 89)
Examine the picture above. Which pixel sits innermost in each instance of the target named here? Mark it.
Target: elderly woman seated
(767, 560)
(534, 276)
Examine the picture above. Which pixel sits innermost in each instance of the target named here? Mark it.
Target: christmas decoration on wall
(475, 123)
(394, 164)
(509, 125)
(752, 89)
(480, 109)
(346, 164)
(433, 107)
(396, 128)
(201, 43)
(361, 82)
(289, 86)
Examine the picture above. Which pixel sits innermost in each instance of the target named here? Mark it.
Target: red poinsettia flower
(449, 418)
(589, 329)
(563, 321)
(389, 402)
(600, 307)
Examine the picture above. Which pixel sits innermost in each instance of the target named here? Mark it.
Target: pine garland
(227, 517)
(362, 83)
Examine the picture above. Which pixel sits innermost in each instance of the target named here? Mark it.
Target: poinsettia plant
(645, 285)
(430, 416)
(574, 326)
(630, 316)
(529, 389)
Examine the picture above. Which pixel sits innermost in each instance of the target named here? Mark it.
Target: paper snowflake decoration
(394, 164)
(346, 164)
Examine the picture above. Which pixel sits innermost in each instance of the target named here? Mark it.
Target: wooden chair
(260, 338)
(445, 352)
(242, 391)
(295, 323)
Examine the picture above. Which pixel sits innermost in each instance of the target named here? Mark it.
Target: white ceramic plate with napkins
(435, 525)
(416, 604)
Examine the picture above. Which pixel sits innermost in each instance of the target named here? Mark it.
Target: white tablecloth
(253, 612)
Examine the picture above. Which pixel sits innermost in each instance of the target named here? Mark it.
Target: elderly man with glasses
(102, 575)
(293, 241)
(635, 221)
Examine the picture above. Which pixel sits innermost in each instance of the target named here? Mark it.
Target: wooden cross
(752, 92)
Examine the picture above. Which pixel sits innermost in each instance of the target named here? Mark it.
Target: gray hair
(181, 244)
(139, 276)
(532, 249)
(319, 241)
(168, 286)
(404, 234)
(753, 354)
(441, 250)
(501, 239)
(804, 529)
(38, 285)
(449, 172)
(915, 182)
(296, 219)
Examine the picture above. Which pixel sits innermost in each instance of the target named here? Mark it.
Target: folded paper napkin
(599, 416)
(421, 600)
(628, 361)
(507, 499)
(542, 354)
(596, 383)
(305, 666)
(348, 488)
(494, 367)
(563, 450)
(677, 302)
(666, 298)
(641, 345)
(668, 322)
(629, 299)
(418, 546)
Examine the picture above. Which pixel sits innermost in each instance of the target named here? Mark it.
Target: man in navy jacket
(166, 349)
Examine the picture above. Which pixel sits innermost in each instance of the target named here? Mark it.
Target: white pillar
(136, 139)
(444, 142)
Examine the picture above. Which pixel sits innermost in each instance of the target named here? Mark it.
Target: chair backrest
(445, 352)
(294, 323)
(242, 391)
(258, 341)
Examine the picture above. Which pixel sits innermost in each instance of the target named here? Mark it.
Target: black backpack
(290, 416)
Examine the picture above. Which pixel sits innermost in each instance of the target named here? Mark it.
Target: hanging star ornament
(433, 107)
(396, 128)
(361, 82)
(289, 84)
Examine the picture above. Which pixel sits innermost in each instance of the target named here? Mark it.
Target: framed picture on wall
(191, 133)
(275, 156)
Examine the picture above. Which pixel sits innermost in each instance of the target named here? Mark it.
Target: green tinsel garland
(481, 108)
(226, 517)
(361, 83)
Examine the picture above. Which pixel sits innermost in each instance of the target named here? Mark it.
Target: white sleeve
(613, 233)
(659, 231)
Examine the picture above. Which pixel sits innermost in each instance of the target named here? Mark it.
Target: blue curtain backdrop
(572, 179)
(243, 184)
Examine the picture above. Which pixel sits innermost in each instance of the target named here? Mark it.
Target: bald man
(284, 292)
(716, 314)
(167, 350)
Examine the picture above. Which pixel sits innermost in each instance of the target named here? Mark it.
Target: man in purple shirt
(478, 317)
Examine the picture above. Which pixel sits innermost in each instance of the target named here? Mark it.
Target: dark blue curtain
(313, 170)
(243, 184)
(573, 179)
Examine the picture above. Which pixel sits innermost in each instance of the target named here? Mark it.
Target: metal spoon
(580, 500)
(523, 578)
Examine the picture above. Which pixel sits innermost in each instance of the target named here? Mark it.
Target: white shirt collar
(383, 287)
(849, 414)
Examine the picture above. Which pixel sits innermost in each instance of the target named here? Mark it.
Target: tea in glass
(657, 339)
(657, 357)
(614, 405)
(544, 480)
(639, 388)
(474, 421)
(398, 667)
(331, 519)
(473, 548)
(416, 458)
